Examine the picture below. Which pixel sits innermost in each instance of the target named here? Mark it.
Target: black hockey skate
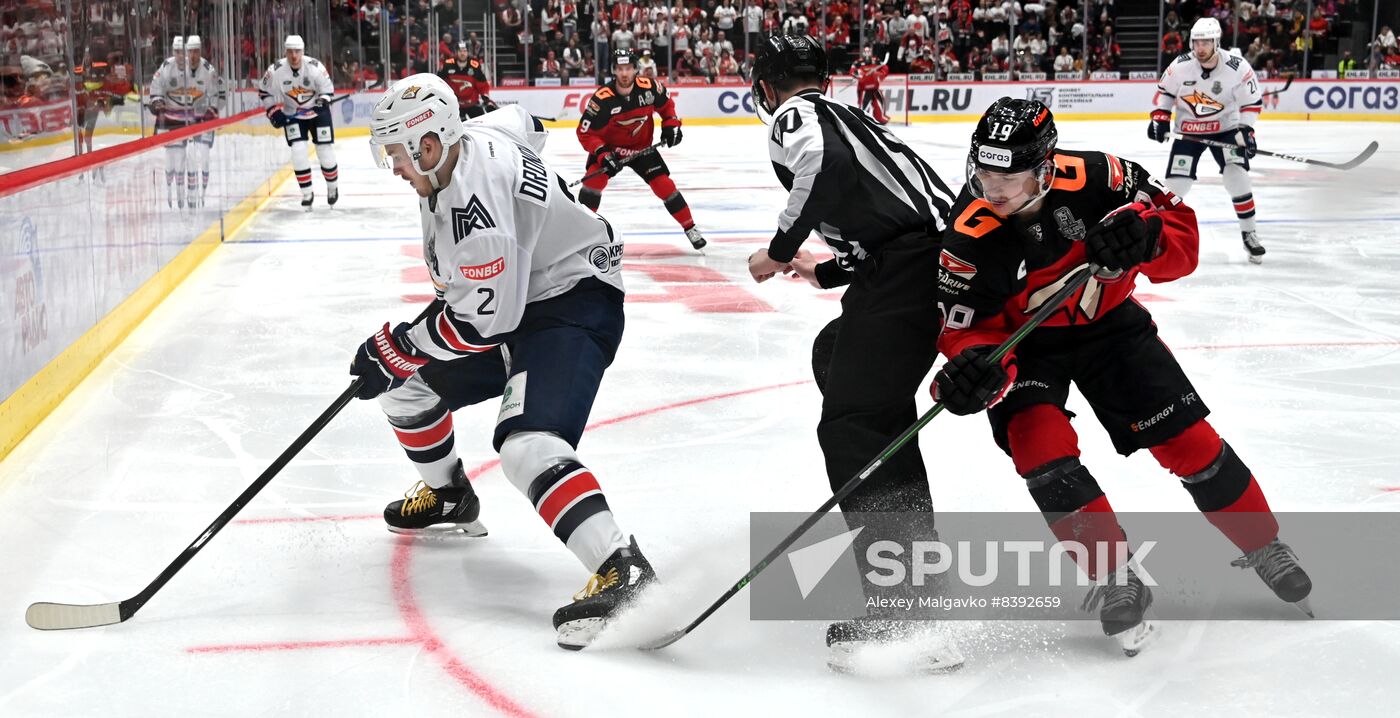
(1253, 246)
(697, 240)
(1122, 610)
(1278, 566)
(452, 509)
(306, 200)
(911, 642)
(332, 196)
(614, 587)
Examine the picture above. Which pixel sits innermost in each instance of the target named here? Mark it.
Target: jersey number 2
(486, 307)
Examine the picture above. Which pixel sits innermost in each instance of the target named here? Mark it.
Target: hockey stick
(1350, 164)
(59, 616)
(625, 162)
(1051, 306)
(1287, 83)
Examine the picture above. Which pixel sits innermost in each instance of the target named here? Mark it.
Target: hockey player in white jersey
(170, 104)
(1216, 96)
(296, 92)
(205, 93)
(529, 309)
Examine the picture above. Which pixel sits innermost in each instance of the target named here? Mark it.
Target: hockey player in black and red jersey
(1028, 219)
(468, 79)
(868, 72)
(617, 125)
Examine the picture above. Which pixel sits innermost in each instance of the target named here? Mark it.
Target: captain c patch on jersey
(473, 217)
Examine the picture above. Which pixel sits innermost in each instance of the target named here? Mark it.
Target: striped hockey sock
(429, 442)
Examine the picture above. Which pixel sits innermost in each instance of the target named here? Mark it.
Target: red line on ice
(420, 633)
(300, 645)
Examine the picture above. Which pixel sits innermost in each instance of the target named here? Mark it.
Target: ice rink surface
(307, 606)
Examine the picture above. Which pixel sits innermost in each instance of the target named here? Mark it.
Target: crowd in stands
(1275, 36)
(713, 39)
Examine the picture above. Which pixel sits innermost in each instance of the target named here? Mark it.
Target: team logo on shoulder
(787, 122)
(474, 216)
(410, 93)
(603, 93)
(482, 272)
(1115, 172)
(957, 266)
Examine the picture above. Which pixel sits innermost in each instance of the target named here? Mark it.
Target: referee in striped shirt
(881, 210)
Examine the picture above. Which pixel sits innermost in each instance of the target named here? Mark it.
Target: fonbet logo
(480, 272)
(995, 156)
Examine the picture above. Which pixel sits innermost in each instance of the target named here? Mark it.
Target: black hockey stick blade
(1287, 83)
(1052, 305)
(46, 616)
(625, 162)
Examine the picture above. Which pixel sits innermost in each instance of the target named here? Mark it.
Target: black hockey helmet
(1014, 136)
(787, 57)
(624, 56)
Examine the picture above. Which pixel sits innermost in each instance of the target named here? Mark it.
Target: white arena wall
(1342, 100)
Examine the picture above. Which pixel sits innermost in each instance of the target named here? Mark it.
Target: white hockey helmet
(193, 43)
(1207, 28)
(178, 44)
(294, 42)
(413, 107)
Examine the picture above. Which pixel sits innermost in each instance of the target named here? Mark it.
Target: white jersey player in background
(529, 309)
(167, 103)
(1216, 96)
(205, 92)
(296, 92)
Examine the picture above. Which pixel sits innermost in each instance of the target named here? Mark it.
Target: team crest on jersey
(1069, 226)
(473, 217)
(1202, 104)
(635, 123)
(300, 95)
(959, 267)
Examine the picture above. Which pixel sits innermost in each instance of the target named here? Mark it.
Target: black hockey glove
(610, 163)
(385, 361)
(1244, 136)
(1161, 127)
(157, 105)
(1123, 239)
(971, 381)
(487, 103)
(671, 136)
(278, 118)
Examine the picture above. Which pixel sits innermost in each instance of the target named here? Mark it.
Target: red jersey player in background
(1029, 217)
(868, 72)
(617, 125)
(467, 78)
